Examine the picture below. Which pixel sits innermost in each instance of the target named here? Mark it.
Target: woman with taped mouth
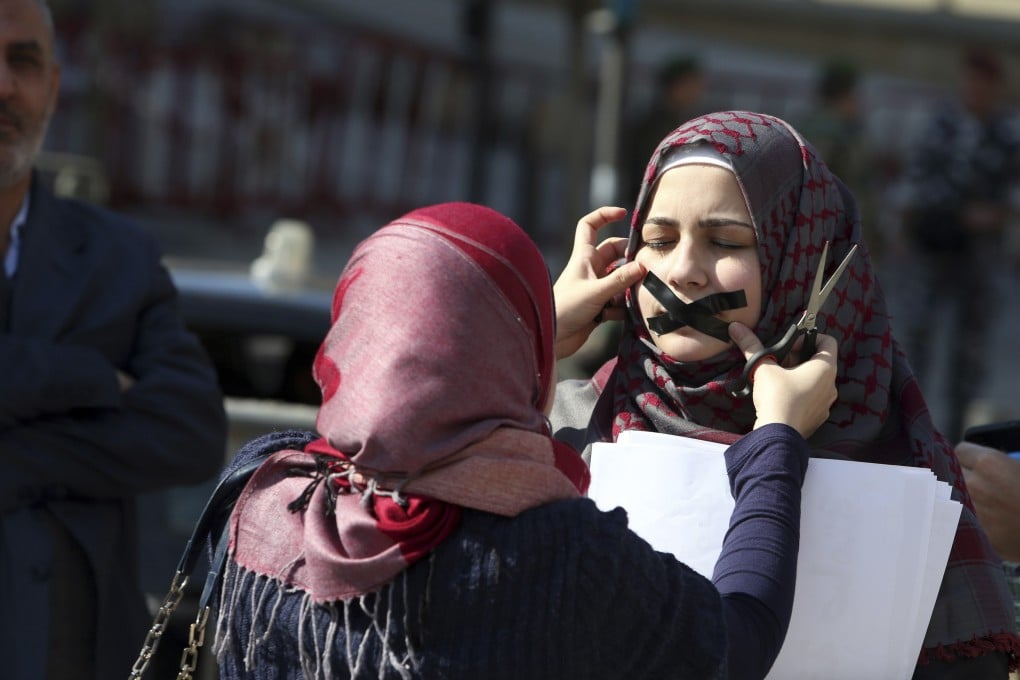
(433, 528)
(727, 234)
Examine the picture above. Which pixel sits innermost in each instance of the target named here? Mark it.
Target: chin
(688, 346)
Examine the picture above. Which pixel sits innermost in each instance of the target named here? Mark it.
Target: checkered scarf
(796, 204)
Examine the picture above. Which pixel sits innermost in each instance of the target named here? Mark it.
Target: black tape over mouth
(699, 315)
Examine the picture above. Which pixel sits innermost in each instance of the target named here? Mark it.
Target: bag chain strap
(159, 625)
(196, 638)
(210, 523)
(196, 633)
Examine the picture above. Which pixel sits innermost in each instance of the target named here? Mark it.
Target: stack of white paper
(875, 540)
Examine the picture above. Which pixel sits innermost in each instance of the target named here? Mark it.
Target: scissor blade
(818, 299)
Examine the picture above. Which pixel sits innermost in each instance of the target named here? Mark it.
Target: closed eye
(729, 245)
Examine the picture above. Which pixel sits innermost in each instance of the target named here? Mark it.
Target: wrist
(763, 421)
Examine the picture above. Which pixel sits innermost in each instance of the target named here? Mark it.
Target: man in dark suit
(103, 395)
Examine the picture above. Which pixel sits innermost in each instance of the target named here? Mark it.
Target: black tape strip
(721, 302)
(716, 328)
(699, 314)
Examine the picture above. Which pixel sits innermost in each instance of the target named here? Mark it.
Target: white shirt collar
(13, 250)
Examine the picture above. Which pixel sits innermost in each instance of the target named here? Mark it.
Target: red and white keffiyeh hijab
(796, 205)
(433, 377)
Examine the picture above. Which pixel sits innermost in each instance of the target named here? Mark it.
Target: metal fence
(333, 120)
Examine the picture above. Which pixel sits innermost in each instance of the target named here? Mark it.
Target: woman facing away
(737, 203)
(433, 528)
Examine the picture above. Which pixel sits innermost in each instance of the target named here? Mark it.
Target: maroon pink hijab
(880, 416)
(433, 377)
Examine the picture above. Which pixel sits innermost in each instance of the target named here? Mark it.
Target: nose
(687, 270)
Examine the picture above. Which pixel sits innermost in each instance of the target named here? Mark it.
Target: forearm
(756, 571)
(654, 617)
(43, 378)
(111, 453)
(169, 428)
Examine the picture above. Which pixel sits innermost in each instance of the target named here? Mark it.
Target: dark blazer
(91, 297)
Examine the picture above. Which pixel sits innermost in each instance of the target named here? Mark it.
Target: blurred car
(262, 341)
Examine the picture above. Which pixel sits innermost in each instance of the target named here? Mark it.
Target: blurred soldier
(836, 129)
(680, 94)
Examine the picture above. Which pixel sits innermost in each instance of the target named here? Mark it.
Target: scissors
(806, 326)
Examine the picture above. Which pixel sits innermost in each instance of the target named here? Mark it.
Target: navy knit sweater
(560, 591)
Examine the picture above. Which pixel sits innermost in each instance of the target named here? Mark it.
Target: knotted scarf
(433, 376)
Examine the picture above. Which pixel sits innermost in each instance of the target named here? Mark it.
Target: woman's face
(698, 238)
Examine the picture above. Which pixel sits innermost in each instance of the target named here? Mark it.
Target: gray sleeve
(571, 414)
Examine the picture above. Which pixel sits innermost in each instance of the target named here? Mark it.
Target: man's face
(29, 81)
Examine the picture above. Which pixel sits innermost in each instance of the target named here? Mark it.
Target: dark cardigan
(560, 591)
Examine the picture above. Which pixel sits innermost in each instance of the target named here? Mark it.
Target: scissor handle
(777, 351)
(810, 346)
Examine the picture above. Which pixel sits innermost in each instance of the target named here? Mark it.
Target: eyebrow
(707, 222)
(27, 49)
(30, 46)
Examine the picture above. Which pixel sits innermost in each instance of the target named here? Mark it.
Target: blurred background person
(993, 479)
(679, 96)
(958, 179)
(835, 126)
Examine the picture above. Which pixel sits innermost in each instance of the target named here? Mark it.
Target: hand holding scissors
(805, 326)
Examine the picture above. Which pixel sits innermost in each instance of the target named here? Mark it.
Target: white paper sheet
(874, 544)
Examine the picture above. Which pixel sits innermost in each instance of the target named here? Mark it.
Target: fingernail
(737, 330)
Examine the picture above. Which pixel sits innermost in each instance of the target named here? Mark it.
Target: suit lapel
(51, 267)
